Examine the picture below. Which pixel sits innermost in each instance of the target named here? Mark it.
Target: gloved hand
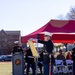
(33, 39)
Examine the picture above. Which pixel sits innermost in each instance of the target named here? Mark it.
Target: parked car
(2, 57)
(8, 58)
(5, 58)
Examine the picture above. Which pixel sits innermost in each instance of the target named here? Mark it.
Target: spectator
(69, 56)
(61, 57)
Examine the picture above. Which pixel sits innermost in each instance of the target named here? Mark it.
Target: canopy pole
(65, 46)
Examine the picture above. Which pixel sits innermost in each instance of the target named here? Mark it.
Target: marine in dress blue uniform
(17, 47)
(48, 47)
(30, 62)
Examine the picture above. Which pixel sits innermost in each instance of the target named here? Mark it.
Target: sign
(33, 49)
(17, 64)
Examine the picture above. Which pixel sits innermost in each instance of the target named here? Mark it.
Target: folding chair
(59, 66)
(69, 64)
(54, 69)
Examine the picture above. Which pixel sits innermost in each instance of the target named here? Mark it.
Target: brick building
(7, 39)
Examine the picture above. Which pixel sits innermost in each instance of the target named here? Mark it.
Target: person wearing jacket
(17, 47)
(48, 48)
(30, 62)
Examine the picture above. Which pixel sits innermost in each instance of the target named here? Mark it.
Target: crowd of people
(46, 58)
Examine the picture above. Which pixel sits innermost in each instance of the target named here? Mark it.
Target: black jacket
(29, 57)
(48, 45)
(17, 49)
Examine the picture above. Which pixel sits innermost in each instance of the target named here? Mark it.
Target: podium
(17, 64)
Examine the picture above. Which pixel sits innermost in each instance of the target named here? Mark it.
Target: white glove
(32, 39)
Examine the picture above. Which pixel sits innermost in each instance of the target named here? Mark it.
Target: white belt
(30, 57)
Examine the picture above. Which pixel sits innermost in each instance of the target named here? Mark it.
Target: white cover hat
(16, 42)
(48, 34)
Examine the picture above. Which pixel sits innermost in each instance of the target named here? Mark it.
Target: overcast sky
(29, 15)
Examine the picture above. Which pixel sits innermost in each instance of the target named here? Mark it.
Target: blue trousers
(47, 69)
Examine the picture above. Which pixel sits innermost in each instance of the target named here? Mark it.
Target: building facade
(7, 39)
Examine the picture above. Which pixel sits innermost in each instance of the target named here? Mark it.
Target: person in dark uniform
(17, 59)
(48, 48)
(17, 47)
(73, 58)
(30, 62)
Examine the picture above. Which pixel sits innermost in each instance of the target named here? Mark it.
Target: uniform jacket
(17, 49)
(48, 45)
(29, 57)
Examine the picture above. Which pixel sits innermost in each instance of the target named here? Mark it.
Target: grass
(6, 69)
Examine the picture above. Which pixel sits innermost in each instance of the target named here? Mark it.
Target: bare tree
(61, 17)
(71, 14)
